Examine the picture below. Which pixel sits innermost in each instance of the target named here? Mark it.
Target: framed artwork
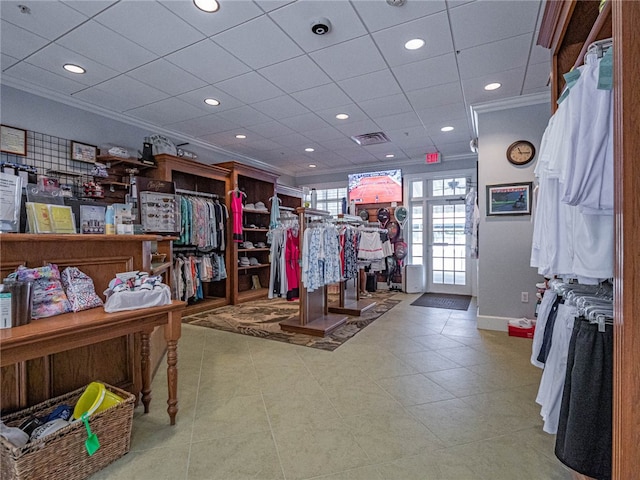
(13, 140)
(509, 199)
(81, 152)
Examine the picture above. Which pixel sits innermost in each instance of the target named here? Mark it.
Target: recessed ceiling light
(492, 86)
(208, 6)
(312, 165)
(390, 155)
(342, 116)
(70, 67)
(241, 136)
(414, 44)
(212, 101)
(446, 129)
(309, 149)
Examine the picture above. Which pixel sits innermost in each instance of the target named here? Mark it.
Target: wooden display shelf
(319, 327)
(251, 267)
(248, 295)
(113, 161)
(264, 212)
(265, 249)
(352, 307)
(208, 303)
(257, 229)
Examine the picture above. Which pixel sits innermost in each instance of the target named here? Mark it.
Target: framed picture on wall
(13, 140)
(81, 152)
(509, 199)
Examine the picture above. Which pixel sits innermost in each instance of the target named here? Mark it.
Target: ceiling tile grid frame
(274, 77)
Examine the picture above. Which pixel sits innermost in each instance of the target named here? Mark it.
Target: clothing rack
(181, 191)
(314, 318)
(349, 301)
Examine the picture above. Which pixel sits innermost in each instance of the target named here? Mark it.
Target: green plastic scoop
(91, 443)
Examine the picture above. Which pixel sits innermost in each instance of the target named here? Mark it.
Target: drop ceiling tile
(260, 143)
(296, 19)
(134, 92)
(203, 126)
(281, 107)
(166, 112)
(339, 143)
(203, 59)
(292, 140)
(106, 100)
(245, 116)
(197, 97)
(319, 98)
(26, 74)
(461, 134)
(383, 106)
(419, 153)
(46, 19)
(356, 155)
(89, 7)
(443, 112)
(228, 16)
(296, 74)
(511, 80)
(53, 57)
(7, 61)
(434, 30)
(249, 87)
(457, 148)
(323, 134)
(350, 59)
(545, 89)
(379, 15)
(270, 5)
(150, 25)
(166, 77)
(271, 129)
(359, 128)
(302, 123)
(258, 42)
(494, 57)
(370, 85)
(222, 138)
(401, 120)
(18, 42)
(537, 76)
(436, 96)
(105, 46)
(540, 55)
(427, 73)
(354, 112)
(409, 137)
(434, 124)
(485, 21)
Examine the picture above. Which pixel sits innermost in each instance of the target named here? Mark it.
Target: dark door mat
(443, 300)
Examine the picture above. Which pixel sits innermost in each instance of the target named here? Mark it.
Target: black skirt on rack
(584, 439)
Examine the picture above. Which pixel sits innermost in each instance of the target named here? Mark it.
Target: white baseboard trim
(493, 323)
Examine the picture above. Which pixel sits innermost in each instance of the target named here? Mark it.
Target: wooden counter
(116, 359)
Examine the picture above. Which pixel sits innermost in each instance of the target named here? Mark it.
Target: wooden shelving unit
(259, 186)
(207, 179)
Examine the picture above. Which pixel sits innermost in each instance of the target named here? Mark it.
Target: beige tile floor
(419, 394)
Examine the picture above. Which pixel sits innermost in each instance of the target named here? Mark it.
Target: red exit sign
(433, 157)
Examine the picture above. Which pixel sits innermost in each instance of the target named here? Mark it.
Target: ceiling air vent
(370, 138)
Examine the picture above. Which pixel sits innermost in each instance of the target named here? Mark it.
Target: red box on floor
(521, 332)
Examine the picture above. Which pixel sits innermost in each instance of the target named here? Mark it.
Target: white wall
(505, 242)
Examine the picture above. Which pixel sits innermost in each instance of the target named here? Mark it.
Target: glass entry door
(437, 238)
(447, 268)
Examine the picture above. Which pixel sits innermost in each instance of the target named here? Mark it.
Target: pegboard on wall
(51, 156)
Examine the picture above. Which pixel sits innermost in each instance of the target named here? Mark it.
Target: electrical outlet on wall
(524, 297)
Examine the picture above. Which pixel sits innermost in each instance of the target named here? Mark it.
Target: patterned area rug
(261, 318)
(443, 300)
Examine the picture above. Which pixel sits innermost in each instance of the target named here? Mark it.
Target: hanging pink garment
(236, 211)
(292, 256)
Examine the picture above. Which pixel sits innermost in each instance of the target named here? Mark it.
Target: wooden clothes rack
(314, 318)
(349, 301)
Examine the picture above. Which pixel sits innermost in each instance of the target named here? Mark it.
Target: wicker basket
(62, 455)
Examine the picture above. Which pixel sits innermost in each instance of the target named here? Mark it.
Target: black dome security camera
(321, 26)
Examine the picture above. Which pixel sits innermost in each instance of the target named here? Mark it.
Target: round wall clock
(521, 152)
